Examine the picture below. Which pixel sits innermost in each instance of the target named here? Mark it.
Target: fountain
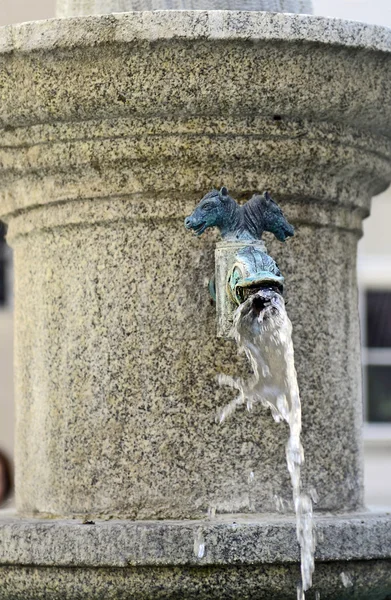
(246, 276)
(113, 127)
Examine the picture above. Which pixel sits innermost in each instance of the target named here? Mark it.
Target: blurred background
(373, 271)
(368, 11)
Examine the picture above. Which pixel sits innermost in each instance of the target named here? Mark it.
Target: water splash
(263, 331)
(314, 495)
(211, 512)
(346, 580)
(199, 544)
(280, 503)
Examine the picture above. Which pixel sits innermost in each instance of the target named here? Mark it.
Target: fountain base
(245, 557)
(111, 127)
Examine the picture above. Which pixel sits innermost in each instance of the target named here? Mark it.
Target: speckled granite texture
(245, 557)
(371, 580)
(228, 540)
(113, 128)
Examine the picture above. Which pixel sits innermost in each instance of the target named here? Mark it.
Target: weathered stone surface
(229, 540)
(154, 25)
(117, 401)
(371, 580)
(125, 122)
(245, 557)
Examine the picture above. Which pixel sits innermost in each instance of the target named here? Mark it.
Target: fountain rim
(191, 25)
(259, 539)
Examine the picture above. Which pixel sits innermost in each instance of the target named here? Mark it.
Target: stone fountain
(113, 127)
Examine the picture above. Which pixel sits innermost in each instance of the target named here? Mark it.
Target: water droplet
(314, 495)
(211, 512)
(346, 580)
(320, 535)
(199, 544)
(279, 502)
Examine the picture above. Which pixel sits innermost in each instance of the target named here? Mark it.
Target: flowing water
(263, 332)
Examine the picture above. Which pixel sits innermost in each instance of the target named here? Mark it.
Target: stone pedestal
(113, 128)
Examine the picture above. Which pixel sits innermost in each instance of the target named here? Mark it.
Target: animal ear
(224, 192)
(266, 195)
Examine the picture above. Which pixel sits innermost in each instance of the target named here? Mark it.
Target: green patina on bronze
(236, 222)
(253, 268)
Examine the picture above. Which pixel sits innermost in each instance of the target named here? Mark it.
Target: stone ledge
(229, 540)
(364, 580)
(192, 24)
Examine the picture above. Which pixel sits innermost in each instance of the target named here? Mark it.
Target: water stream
(263, 331)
